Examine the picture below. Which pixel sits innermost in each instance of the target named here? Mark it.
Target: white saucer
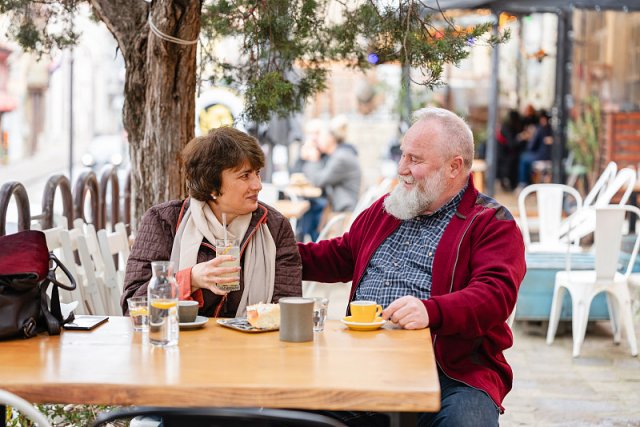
(362, 326)
(198, 323)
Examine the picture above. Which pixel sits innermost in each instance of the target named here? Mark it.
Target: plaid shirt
(403, 263)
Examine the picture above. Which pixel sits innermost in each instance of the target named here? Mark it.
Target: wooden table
(291, 209)
(384, 370)
(306, 191)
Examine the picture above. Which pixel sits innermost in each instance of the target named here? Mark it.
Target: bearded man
(437, 253)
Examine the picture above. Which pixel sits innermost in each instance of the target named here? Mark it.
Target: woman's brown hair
(205, 157)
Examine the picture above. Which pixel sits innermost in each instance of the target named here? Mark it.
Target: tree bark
(159, 108)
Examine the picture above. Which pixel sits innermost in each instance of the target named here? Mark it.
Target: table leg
(3, 416)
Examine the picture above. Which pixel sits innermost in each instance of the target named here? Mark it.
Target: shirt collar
(448, 207)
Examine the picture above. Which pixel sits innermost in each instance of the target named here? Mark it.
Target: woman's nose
(256, 184)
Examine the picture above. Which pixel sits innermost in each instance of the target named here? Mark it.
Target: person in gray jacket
(339, 175)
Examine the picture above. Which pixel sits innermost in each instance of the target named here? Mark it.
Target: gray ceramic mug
(296, 319)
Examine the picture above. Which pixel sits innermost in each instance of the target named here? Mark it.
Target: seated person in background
(538, 148)
(309, 223)
(511, 139)
(437, 253)
(339, 175)
(223, 176)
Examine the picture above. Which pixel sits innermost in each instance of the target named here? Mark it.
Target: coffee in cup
(365, 311)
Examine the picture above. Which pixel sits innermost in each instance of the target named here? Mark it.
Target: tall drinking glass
(163, 305)
(229, 247)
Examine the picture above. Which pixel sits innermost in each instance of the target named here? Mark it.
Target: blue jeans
(461, 406)
(310, 221)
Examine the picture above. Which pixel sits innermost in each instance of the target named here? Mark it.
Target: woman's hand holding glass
(206, 275)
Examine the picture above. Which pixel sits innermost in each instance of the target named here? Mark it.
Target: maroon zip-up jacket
(477, 270)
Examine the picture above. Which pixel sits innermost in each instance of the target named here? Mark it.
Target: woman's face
(239, 191)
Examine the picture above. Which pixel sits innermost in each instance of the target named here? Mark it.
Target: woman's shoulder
(167, 211)
(270, 211)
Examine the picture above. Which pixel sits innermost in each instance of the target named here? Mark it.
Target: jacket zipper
(455, 264)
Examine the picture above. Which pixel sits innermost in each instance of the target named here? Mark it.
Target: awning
(536, 6)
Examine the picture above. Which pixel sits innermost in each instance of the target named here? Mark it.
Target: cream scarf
(199, 222)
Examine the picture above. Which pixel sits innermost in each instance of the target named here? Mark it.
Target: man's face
(421, 172)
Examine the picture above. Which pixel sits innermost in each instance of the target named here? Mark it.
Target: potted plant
(584, 138)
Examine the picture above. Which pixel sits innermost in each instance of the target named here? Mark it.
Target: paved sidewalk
(551, 388)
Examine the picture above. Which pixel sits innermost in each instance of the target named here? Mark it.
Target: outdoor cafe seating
(583, 285)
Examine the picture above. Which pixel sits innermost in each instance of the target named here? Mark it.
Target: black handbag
(27, 268)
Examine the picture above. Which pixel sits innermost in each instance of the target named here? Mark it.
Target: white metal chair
(114, 246)
(24, 407)
(333, 228)
(583, 221)
(584, 285)
(550, 207)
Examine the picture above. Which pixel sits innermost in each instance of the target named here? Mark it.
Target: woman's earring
(213, 197)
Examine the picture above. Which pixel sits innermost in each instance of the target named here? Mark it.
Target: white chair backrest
(114, 244)
(624, 179)
(583, 222)
(550, 206)
(372, 194)
(59, 242)
(608, 239)
(92, 282)
(24, 407)
(607, 175)
(334, 227)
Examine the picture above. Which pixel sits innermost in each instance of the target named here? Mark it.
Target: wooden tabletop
(292, 209)
(308, 191)
(384, 370)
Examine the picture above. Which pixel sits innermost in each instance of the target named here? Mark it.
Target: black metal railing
(90, 200)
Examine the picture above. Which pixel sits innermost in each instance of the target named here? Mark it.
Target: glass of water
(139, 312)
(320, 305)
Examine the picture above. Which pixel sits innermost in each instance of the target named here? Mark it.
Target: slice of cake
(264, 316)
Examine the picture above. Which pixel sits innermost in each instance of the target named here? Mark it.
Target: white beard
(407, 204)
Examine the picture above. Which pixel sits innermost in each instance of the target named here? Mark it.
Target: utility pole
(71, 114)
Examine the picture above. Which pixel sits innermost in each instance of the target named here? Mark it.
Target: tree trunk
(159, 108)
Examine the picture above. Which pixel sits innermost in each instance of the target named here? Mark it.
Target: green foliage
(286, 46)
(61, 415)
(584, 134)
(40, 26)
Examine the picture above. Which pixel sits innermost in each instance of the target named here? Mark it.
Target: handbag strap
(53, 316)
(52, 277)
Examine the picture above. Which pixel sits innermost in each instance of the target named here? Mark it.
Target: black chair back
(219, 417)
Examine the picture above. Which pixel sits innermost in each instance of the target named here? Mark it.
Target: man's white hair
(456, 135)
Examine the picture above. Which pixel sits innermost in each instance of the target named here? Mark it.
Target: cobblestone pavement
(551, 388)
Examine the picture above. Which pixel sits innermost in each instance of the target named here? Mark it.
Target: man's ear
(456, 166)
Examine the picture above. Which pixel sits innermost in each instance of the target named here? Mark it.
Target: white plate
(198, 323)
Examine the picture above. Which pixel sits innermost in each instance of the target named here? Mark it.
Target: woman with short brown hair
(223, 177)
